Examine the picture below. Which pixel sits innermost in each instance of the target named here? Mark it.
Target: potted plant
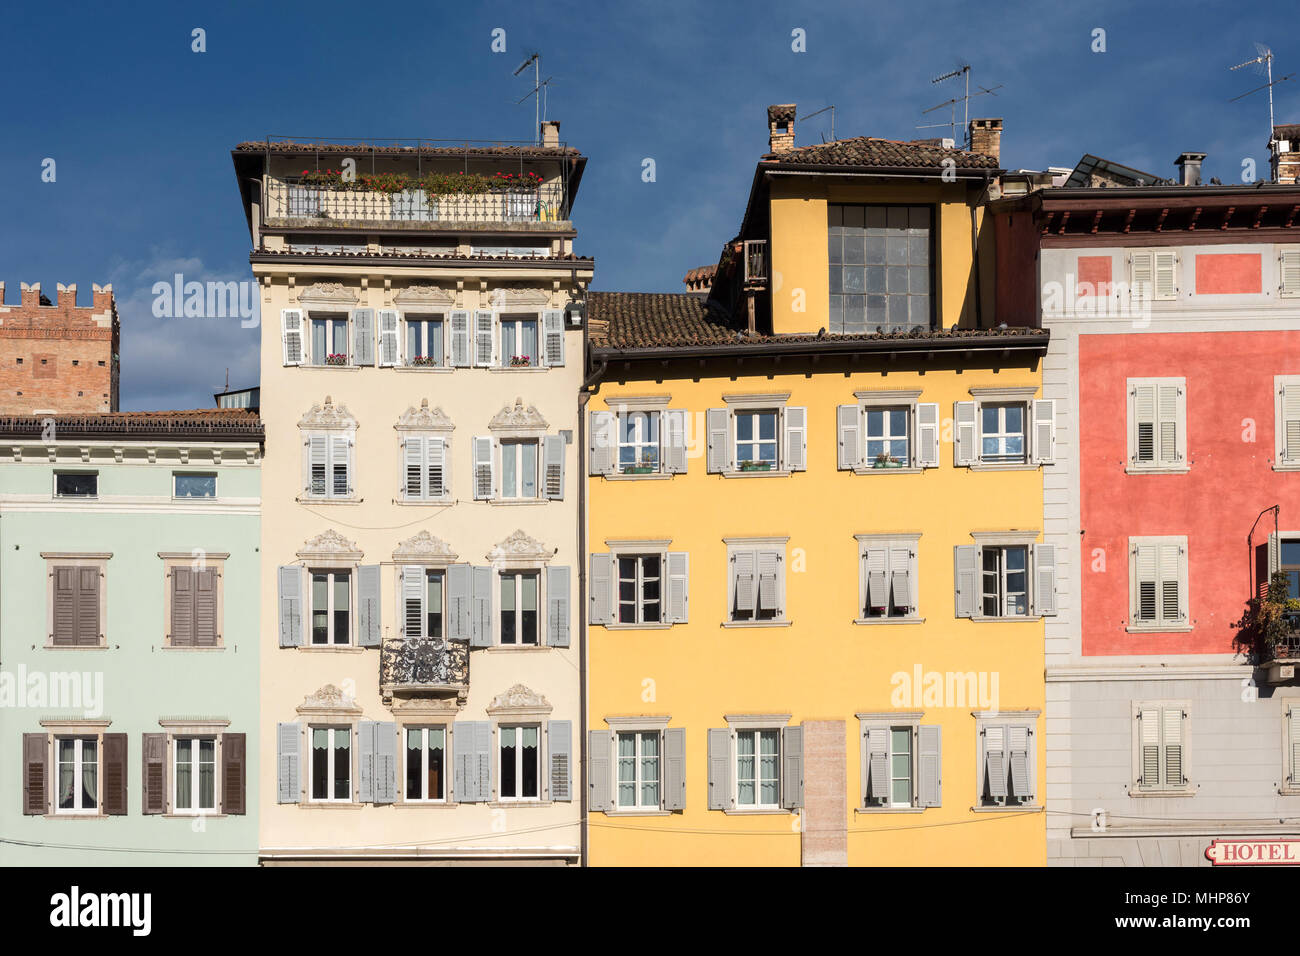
(423, 361)
(336, 358)
(748, 465)
(645, 466)
(1271, 625)
(520, 361)
(886, 460)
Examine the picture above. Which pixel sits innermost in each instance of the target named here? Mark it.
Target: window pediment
(519, 699)
(328, 415)
(518, 418)
(328, 295)
(508, 297)
(520, 547)
(424, 548)
(415, 296)
(330, 699)
(329, 545)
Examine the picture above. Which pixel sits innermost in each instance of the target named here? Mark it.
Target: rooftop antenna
(1263, 64)
(824, 109)
(535, 61)
(964, 71)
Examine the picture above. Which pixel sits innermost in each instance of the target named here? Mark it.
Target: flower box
(755, 466)
(520, 361)
(887, 463)
(638, 469)
(424, 361)
(336, 359)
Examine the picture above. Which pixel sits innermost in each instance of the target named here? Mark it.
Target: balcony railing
(293, 198)
(423, 664)
(755, 261)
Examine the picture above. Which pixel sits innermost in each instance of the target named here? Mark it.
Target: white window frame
(743, 723)
(426, 570)
(519, 726)
(1002, 593)
(638, 734)
(1023, 395)
(1181, 463)
(78, 766)
(887, 436)
(734, 545)
(1003, 540)
(331, 465)
(326, 315)
(405, 318)
(639, 583)
(1153, 274)
(195, 740)
(889, 543)
(1161, 624)
(423, 730)
(883, 400)
(517, 319)
(404, 496)
(331, 573)
(889, 722)
(539, 612)
(756, 733)
(500, 452)
(1004, 434)
(196, 474)
(640, 442)
(331, 774)
(757, 414)
(54, 486)
(1286, 407)
(1186, 789)
(1027, 719)
(775, 402)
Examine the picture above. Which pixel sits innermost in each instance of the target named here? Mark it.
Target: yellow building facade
(816, 583)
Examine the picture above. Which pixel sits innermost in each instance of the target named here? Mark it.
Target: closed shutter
(234, 774)
(1166, 265)
(876, 562)
(900, 577)
(679, 566)
(602, 589)
(877, 766)
(413, 463)
(742, 571)
(290, 587)
(792, 767)
(1149, 742)
(182, 629)
(601, 443)
(718, 455)
(675, 424)
(340, 466)
(600, 790)
(1044, 430)
(769, 570)
(553, 467)
(1289, 272)
(1287, 442)
(363, 336)
(719, 769)
(481, 631)
(1142, 438)
(1171, 719)
(557, 606)
(291, 336)
(559, 745)
(385, 767)
(459, 611)
(1142, 275)
(796, 438)
(1018, 753)
(927, 435)
(435, 468)
(964, 415)
(1293, 748)
(413, 596)
(88, 584)
(317, 466)
(995, 762)
(460, 350)
(483, 758)
(553, 336)
(929, 765)
(288, 745)
(484, 472)
(848, 427)
(366, 761)
(484, 333)
(390, 349)
(1146, 567)
(1170, 434)
(65, 607)
(966, 578)
(153, 772)
(35, 774)
(1044, 578)
(1171, 589)
(674, 768)
(369, 631)
(205, 607)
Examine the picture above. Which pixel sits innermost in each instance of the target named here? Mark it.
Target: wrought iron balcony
(295, 201)
(423, 664)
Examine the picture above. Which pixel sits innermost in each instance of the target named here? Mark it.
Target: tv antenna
(963, 71)
(819, 112)
(1263, 64)
(539, 90)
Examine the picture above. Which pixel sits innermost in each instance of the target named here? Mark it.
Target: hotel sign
(1253, 852)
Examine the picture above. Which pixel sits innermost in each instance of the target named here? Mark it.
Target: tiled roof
(454, 256)
(884, 153)
(700, 277)
(640, 320)
(474, 149)
(216, 422)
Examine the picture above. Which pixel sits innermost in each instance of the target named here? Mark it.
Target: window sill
(1135, 792)
(332, 368)
(618, 476)
(777, 473)
(1013, 619)
(1165, 470)
(331, 648)
(76, 647)
(1287, 466)
(638, 813)
(758, 811)
(653, 626)
(1025, 808)
(308, 500)
(78, 816)
(208, 815)
(511, 804)
(1003, 466)
(419, 368)
(885, 621)
(514, 648)
(190, 499)
(328, 805)
(1174, 629)
(520, 368)
(515, 502)
(425, 805)
(191, 647)
(903, 470)
(424, 503)
(891, 809)
(778, 623)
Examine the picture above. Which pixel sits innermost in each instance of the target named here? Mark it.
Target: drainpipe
(975, 258)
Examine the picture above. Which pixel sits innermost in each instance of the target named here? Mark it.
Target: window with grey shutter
(460, 344)
(481, 630)
(676, 423)
(929, 765)
(1161, 738)
(290, 596)
(1157, 423)
(1018, 738)
(557, 606)
(363, 336)
(559, 745)
(966, 579)
(792, 767)
(601, 610)
(484, 333)
(796, 438)
(718, 454)
(1044, 578)
(1158, 574)
(674, 768)
(965, 447)
(1044, 412)
(995, 764)
(484, 471)
(743, 590)
(234, 774)
(602, 443)
(385, 765)
(719, 757)
(366, 760)
(600, 792)
(877, 766)
(1287, 418)
(553, 467)
(291, 340)
(390, 352)
(153, 773)
(679, 567)
(848, 429)
(369, 630)
(289, 743)
(769, 589)
(459, 604)
(927, 435)
(36, 775)
(553, 336)
(1288, 268)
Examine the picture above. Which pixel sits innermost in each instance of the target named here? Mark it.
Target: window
(638, 442)
(424, 464)
(1153, 275)
(758, 769)
(76, 605)
(757, 582)
(194, 773)
(1160, 746)
(426, 760)
(519, 341)
(1007, 774)
(186, 485)
(520, 767)
(331, 764)
(193, 604)
(329, 340)
(1158, 583)
(518, 469)
(1289, 557)
(78, 770)
(756, 434)
(1004, 590)
(1005, 428)
(638, 770)
(76, 484)
(331, 604)
(1157, 429)
(901, 762)
(756, 440)
(329, 466)
(640, 595)
(900, 766)
(887, 436)
(518, 608)
(424, 342)
(887, 429)
(887, 585)
(422, 602)
(1002, 433)
(880, 274)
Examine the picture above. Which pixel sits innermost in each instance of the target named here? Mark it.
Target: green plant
(1266, 622)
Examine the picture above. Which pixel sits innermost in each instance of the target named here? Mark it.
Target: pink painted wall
(1229, 380)
(1229, 273)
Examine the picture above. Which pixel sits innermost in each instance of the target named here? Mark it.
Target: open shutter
(796, 438)
(966, 579)
(363, 336)
(559, 745)
(480, 634)
(553, 467)
(674, 768)
(88, 585)
(848, 427)
(602, 589)
(1149, 741)
(675, 423)
(742, 569)
(1171, 591)
(484, 333)
(719, 769)
(900, 576)
(153, 773)
(483, 757)
(876, 562)
(291, 338)
(1146, 566)
(484, 473)
(1288, 419)
(995, 764)
(929, 765)
(234, 774)
(1171, 432)
(435, 468)
(1274, 562)
(557, 606)
(964, 415)
(341, 466)
(1171, 719)
(718, 456)
(390, 348)
(1044, 578)
(462, 742)
(366, 760)
(599, 783)
(1166, 265)
(385, 762)
(182, 629)
(878, 766)
(769, 569)
(413, 459)
(290, 586)
(679, 566)
(792, 767)
(1289, 273)
(927, 435)
(413, 596)
(1044, 430)
(115, 775)
(205, 607)
(553, 336)
(1018, 753)
(459, 613)
(1293, 749)
(36, 777)
(65, 607)
(601, 443)
(288, 744)
(368, 613)
(1142, 274)
(460, 339)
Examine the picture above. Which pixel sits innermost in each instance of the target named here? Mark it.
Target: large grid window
(638, 770)
(519, 341)
(1290, 565)
(638, 441)
(331, 606)
(640, 593)
(1005, 576)
(426, 760)
(879, 267)
(329, 341)
(519, 608)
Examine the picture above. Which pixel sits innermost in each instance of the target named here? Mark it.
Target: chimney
(551, 133)
(986, 138)
(1189, 168)
(1285, 150)
(780, 128)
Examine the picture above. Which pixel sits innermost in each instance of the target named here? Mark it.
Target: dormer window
(880, 267)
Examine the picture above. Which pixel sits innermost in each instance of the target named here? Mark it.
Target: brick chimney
(551, 133)
(1285, 156)
(986, 138)
(1189, 168)
(780, 127)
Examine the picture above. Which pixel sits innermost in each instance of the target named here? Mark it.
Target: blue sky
(141, 127)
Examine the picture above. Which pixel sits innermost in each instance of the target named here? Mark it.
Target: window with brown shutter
(205, 607)
(35, 778)
(76, 607)
(115, 775)
(182, 581)
(153, 798)
(234, 749)
(88, 607)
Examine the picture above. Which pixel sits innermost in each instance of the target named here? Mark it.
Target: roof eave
(1029, 342)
